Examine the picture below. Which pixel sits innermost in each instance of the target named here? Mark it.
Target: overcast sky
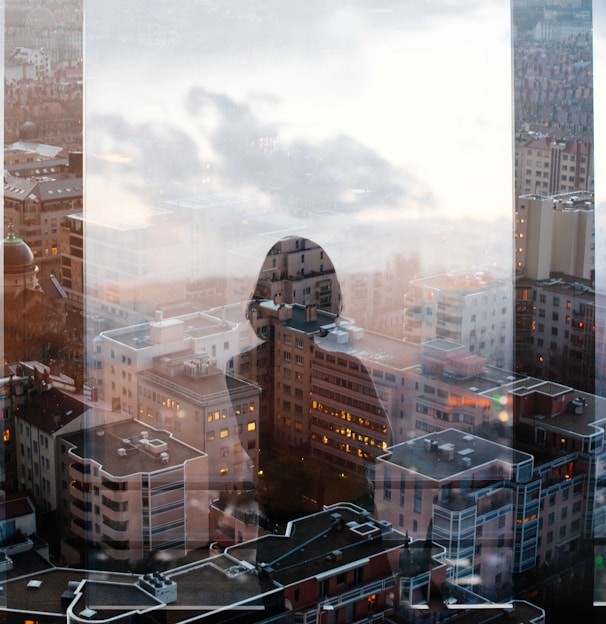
(397, 114)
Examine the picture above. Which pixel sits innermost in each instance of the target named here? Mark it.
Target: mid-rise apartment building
(38, 424)
(547, 165)
(298, 270)
(451, 487)
(215, 412)
(135, 261)
(357, 403)
(500, 510)
(135, 490)
(472, 308)
(36, 207)
(121, 353)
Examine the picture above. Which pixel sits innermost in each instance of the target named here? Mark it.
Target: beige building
(36, 206)
(213, 411)
(547, 165)
(555, 234)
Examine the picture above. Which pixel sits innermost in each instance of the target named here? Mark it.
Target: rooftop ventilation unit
(159, 586)
(164, 457)
(447, 451)
(121, 452)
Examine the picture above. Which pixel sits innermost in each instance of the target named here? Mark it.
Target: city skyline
(296, 255)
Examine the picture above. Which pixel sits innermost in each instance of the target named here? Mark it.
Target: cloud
(338, 172)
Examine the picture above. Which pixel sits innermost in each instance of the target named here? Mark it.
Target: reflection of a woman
(319, 400)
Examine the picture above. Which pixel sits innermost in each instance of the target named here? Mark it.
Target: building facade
(134, 490)
(470, 308)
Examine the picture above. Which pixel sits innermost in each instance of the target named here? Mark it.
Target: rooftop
(51, 410)
(462, 283)
(454, 452)
(317, 545)
(195, 325)
(197, 584)
(46, 596)
(370, 347)
(102, 445)
(16, 506)
(214, 385)
(582, 423)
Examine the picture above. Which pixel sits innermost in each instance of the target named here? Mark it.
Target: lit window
(7, 435)
(224, 433)
(252, 425)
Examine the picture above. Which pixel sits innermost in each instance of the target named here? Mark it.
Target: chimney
(311, 312)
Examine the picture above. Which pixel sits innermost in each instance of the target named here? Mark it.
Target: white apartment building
(120, 354)
(458, 490)
(135, 490)
(472, 308)
(28, 63)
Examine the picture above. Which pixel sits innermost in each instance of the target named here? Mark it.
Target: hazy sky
(397, 116)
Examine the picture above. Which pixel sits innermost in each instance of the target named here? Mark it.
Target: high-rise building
(556, 331)
(555, 234)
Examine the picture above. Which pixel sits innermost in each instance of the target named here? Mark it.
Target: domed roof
(18, 257)
(40, 18)
(29, 131)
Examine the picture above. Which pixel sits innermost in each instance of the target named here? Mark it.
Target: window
(251, 426)
(224, 433)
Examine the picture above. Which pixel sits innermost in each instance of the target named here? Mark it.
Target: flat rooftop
(414, 456)
(198, 584)
(298, 322)
(584, 424)
(101, 445)
(371, 348)
(490, 379)
(306, 551)
(215, 384)
(46, 596)
(195, 325)
(461, 283)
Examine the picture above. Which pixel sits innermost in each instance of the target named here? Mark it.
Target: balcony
(117, 506)
(115, 486)
(79, 490)
(81, 528)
